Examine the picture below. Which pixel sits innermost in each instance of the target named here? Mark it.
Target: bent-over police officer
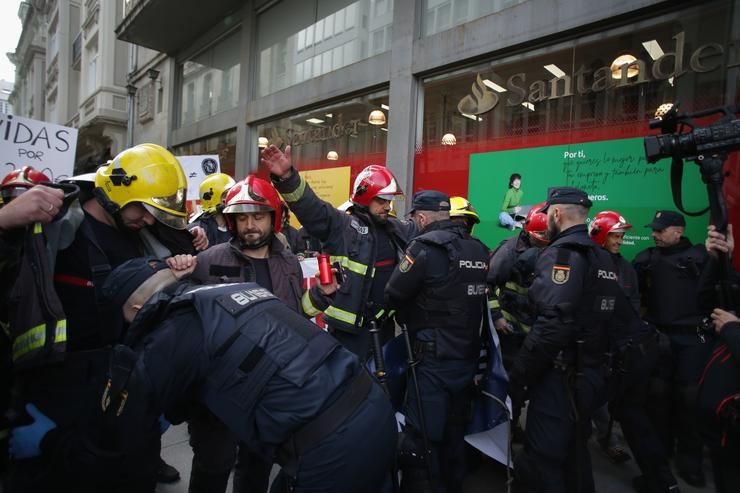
(440, 289)
(562, 361)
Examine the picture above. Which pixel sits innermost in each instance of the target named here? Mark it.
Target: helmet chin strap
(255, 246)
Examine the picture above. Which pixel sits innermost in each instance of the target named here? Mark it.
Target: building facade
(71, 70)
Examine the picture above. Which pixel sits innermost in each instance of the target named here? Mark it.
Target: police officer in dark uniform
(282, 385)
(562, 361)
(440, 288)
(669, 284)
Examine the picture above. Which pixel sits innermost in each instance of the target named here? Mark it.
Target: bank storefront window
(298, 40)
(350, 133)
(601, 87)
(209, 81)
(222, 144)
(440, 15)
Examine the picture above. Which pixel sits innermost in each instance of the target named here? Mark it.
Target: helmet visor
(244, 208)
(171, 219)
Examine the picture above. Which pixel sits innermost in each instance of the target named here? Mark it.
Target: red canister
(325, 276)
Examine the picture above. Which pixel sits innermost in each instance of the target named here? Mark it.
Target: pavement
(490, 477)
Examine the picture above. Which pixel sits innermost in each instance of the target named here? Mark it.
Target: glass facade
(334, 135)
(440, 15)
(298, 40)
(576, 91)
(209, 81)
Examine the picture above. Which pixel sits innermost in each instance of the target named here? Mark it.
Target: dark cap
(663, 219)
(430, 200)
(127, 277)
(566, 195)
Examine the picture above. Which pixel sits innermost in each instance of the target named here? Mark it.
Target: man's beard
(252, 243)
(378, 219)
(552, 229)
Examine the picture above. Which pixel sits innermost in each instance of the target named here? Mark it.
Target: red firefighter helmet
(536, 223)
(253, 194)
(606, 222)
(374, 181)
(19, 180)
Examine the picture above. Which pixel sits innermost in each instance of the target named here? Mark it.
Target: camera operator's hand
(502, 325)
(277, 162)
(717, 242)
(721, 317)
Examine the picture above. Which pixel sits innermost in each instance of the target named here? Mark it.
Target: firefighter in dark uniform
(282, 385)
(719, 387)
(562, 362)
(137, 205)
(212, 191)
(440, 289)
(669, 285)
(365, 240)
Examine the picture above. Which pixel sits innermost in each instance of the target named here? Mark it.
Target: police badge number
(560, 274)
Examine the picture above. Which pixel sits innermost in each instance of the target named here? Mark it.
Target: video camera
(720, 137)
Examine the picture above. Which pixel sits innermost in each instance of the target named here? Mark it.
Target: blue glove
(25, 441)
(163, 424)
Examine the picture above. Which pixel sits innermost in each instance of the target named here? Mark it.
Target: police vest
(250, 337)
(454, 306)
(602, 300)
(672, 287)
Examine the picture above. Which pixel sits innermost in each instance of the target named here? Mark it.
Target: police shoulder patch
(560, 274)
(406, 263)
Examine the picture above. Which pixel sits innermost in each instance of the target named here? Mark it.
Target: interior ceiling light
(262, 142)
(472, 117)
(332, 155)
(329, 115)
(449, 139)
(621, 61)
(493, 85)
(376, 117)
(384, 129)
(385, 107)
(315, 120)
(653, 49)
(554, 70)
(528, 105)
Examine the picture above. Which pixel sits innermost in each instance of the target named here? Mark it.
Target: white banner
(48, 147)
(196, 168)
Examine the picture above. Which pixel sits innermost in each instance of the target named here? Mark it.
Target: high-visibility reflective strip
(516, 287)
(493, 304)
(511, 318)
(308, 307)
(35, 338)
(297, 193)
(350, 265)
(340, 314)
(37, 229)
(4, 433)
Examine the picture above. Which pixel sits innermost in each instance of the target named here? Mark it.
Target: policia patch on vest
(406, 263)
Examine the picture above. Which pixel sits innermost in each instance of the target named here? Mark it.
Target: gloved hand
(163, 424)
(25, 441)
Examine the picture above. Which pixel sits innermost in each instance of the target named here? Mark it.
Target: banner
(196, 168)
(329, 184)
(48, 147)
(614, 173)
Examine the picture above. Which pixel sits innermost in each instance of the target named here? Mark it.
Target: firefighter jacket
(350, 239)
(225, 263)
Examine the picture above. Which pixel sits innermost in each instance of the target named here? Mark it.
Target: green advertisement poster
(614, 173)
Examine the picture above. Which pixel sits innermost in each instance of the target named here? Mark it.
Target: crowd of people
(121, 317)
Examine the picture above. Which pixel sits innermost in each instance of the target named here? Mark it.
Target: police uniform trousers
(673, 397)
(356, 456)
(553, 458)
(216, 451)
(445, 391)
(628, 405)
(70, 395)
